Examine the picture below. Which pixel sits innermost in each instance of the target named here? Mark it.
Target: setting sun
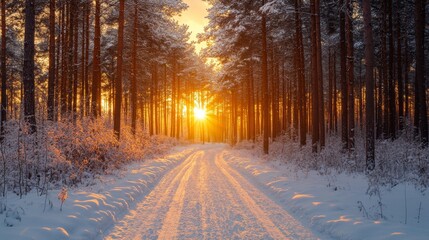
(199, 113)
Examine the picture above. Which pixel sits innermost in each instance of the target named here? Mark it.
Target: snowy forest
(89, 86)
(76, 72)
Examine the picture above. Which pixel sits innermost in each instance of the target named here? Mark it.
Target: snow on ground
(88, 211)
(215, 192)
(204, 198)
(337, 204)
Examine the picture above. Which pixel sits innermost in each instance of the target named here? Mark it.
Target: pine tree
(51, 77)
(421, 120)
(369, 62)
(266, 116)
(3, 110)
(28, 67)
(118, 82)
(96, 69)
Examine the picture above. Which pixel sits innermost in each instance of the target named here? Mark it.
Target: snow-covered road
(215, 192)
(205, 198)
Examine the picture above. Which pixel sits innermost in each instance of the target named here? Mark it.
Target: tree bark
(300, 68)
(406, 80)
(350, 76)
(28, 68)
(343, 73)
(134, 70)
(386, 108)
(421, 120)
(70, 55)
(64, 65)
(86, 63)
(165, 101)
(314, 79)
(178, 106)
(266, 117)
(3, 110)
(75, 67)
(369, 81)
(251, 104)
(51, 74)
(334, 90)
(118, 83)
(399, 67)
(320, 94)
(96, 69)
(173, 99)
(392, 92)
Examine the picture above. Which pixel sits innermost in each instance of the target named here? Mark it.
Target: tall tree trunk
(283, 93)
(251, 103)
(350, 76)
(179, 107)
(421, 120)
(151, 99)
(258, 114)
(273, 93)
(242, 114)
(58, 73)
(118, 83)
(28, 68)
(165, 101)
(406, 79)
(64, 65)
(82, 61)
(392, 92)
(399, 66)
(75, 58)
(3, 110)
(173, 99)
(70, 55)
(86, 63)
(343, 73)
(300, 68)
(233, 117)
(379, 110)
(314, 79)
(330, 92)
(295, 102)
(265, 107)
(51, 77)
(320, 99)
(96, 69)
(386, 119)
(360, 96)
(369, 81)
(134, 70)
(155, 99)
(334, 82)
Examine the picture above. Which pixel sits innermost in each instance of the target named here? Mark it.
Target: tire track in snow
(152, 207)
(205, 198)
(223, 214)
(276, 221)
(171, 221)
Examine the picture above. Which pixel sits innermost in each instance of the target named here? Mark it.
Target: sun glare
(199, 113)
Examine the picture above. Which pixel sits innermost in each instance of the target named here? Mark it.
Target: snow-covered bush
(397, 161)
(66, 153)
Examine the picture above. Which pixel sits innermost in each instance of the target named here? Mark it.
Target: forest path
(205, 198)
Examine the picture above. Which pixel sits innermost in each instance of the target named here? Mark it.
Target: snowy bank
(338, 205)
(89, 211)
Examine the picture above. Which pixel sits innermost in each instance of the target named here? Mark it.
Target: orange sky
(194, 17)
